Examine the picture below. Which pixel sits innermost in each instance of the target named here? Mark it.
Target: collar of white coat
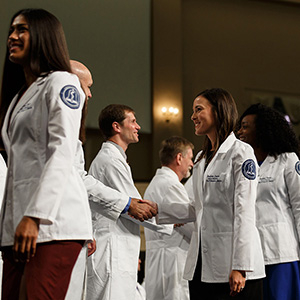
(167, 170)
(118, 147)
(41, 79)
(227, 144)
(268, 160)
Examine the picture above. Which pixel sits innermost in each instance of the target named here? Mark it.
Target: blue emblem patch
(70, 96)
(297, 167)
(249, 169)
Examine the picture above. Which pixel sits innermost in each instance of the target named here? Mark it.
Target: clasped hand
(142, 209)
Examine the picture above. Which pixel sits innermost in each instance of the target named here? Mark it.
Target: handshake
(142, 209)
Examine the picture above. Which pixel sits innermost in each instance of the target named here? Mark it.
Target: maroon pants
(46, 275)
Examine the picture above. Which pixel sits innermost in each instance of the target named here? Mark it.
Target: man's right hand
(142, 209)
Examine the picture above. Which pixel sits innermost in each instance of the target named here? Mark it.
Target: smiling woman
(41, 104)
(203, 118)
(19, 41)
(230, 261)
(276, 148)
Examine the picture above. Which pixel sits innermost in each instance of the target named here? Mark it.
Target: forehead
(201, 101)
(189, 152)
(129, 115)
(249, 119)
(20, 19)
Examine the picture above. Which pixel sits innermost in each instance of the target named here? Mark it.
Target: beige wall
(250, 48)
(112, 37)
(247, 47)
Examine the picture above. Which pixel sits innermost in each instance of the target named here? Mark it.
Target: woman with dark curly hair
(278, 199)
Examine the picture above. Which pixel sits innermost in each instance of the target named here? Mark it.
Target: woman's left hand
(237, 281)
(25, 239)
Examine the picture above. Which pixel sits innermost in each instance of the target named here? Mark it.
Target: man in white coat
(166, 255)
(102, 198)
(112, 269)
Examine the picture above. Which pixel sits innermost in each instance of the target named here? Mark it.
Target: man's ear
(178, 158)
(116, 127)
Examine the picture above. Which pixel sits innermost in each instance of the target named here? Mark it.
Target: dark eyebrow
(18, 25)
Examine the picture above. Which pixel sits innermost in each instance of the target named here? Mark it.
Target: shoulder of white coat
(243, 157)
(290, 160)
(110, 151)
(63, 77)
(243, 148)
(67, 86)
(289, 156)
(108, 158)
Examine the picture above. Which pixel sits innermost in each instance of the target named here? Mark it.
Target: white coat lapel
(28, 95)
(117, 152)
(208, 168)
(198, 186)
(5, 124)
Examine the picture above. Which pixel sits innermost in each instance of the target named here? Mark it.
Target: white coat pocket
(221, 254)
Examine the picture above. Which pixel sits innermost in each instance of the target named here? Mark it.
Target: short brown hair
(112, 113)
(171, 147)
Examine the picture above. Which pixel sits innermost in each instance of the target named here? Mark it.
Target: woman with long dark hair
(225, 257)
(45, 217)
(276, 148)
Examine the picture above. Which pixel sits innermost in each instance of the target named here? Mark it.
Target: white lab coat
(3, 171)
(102, 198)
(225, 208)
(42, 181)
(140, 292)
(278, 208)
(225, 216)
(106, 201)
(112, 269)
(166, 255)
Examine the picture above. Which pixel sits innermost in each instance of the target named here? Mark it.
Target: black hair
(274, 134)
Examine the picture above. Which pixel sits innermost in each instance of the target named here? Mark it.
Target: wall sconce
(169, 112)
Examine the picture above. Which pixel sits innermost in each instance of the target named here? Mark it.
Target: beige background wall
(112, 37)
(247, 47)
(250, 48)
(181, 47)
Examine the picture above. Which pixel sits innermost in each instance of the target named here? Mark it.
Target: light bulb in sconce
(169, 112)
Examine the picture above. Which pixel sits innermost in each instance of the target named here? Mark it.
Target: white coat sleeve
(103, 199)
(62, 135)
(175, 207)
(187, 230)
(245, 191)
(292, 181)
